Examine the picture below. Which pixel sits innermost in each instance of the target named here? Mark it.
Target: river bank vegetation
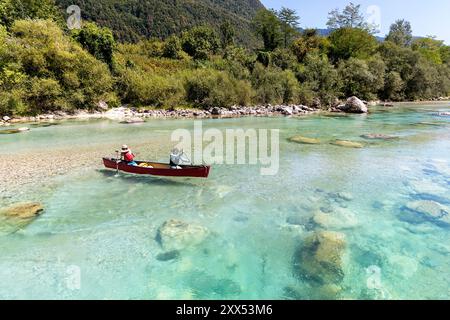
(45, 67)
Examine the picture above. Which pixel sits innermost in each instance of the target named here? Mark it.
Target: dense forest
(134, 20)
(46, 67)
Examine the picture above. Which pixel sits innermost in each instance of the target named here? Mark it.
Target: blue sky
(430, 17)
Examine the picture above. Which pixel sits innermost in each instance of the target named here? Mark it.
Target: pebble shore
(129, 114)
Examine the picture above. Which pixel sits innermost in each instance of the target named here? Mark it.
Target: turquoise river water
(97, 236)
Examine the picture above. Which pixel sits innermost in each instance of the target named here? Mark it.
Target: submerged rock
(347, 144)
(338, 220)
(178, 235)
(23, 211)
(304, 140)
(19, 216)
(354, 105)
(167, 256)
(320, 258)
(378, 136)
(12, 131)
(427, 210)
(132, 120)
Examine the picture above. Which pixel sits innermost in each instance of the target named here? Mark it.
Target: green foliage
(361, 78)
(264, 58)
(268, 26)
(394, 87)
(274, 85)
(210, 88)
(135, 20)
(200, 42)
(43, 70)
(400, 33)
(172, 48)
(429, 48)
(348, 43)
(309, 43)
(227, 34)
(143, 89)
(11, 10)
(98, 41)
(283, 59)
(318, 75)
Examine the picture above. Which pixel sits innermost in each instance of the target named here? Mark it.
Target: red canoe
(158, 169)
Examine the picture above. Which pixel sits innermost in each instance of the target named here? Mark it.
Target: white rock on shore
(124, 113)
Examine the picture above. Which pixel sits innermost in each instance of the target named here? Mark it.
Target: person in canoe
(178, 158)
(128, 156)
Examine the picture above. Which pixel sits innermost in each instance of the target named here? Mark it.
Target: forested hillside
(133, 20)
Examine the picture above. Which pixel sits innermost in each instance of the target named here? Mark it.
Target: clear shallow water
(104, 227)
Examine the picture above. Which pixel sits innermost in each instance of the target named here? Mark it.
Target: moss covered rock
(320, 258)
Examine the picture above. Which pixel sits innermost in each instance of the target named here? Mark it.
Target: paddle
(117, 163)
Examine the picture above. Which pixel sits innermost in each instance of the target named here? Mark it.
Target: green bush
(143, 89)
(211, 88)
(275, 86)
(200, 42)
(44, 70)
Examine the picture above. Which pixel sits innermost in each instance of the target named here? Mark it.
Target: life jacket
(128, 157)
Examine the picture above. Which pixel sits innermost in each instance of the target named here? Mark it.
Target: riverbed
(98, 235)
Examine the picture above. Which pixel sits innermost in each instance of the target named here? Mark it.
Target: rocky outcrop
(304, 140)
(320, 258)
(347, 144)
(354, 105)
(178, 235)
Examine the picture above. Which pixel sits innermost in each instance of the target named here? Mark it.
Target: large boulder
(179, 235)
(320, 258)
(354, 105)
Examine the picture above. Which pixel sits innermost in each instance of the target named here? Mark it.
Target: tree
(346, 43)
(289, 24)
(318, 76)
(272, 85)
(44, 70)
(268, 26)
(283, 59)
(11, 10)
(429, 48)
(227, 34)
(400, 33)
(200, 42)
(350, 17)
(97, 40)
(172, 48)
(309, 42)
(393, 87)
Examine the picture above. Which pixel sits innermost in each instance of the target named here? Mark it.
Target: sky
(430, 17)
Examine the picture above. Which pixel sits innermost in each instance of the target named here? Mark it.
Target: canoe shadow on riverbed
(160, 181)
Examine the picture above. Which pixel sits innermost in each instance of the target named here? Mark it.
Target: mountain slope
(133, 19)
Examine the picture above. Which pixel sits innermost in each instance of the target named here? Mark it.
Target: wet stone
(167, 256)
